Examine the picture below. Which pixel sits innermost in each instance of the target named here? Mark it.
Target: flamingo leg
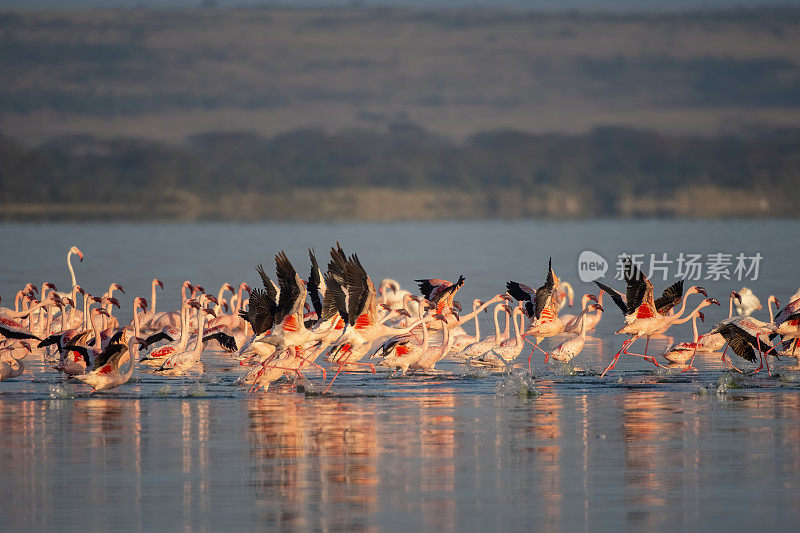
(691, 361)
(762, 356)
(646, 344)
(616, 358)
(312, 363)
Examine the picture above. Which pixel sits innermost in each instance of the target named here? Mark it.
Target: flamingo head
(439, 316)
(75, 250)
(49, 285)
(100, 311)
(140, 302)
(31, 287)
(596, 307)
(702, 316)
(210, 312)
(457, 305)
(79, 289)
(736, 295)
(118, 287)
(187, 285)
(774, 299)
(193, 303)
(701, 290)
(95, 299)
(68, 301)
(26, 345)
(228, 287)
(593, 298)
(404, 313)
(158, 282)
(224, 305)
(111, 300)
(711, 301)
(198, 288)
(245, 287)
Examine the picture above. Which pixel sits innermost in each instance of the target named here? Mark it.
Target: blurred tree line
(597, 171)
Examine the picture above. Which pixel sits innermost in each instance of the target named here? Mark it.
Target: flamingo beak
(592, 297)
(160, 283)
(737, 296)
(120, 288)
(80, 254)
(26, 345)
(599, 307)
(702, 291)
(702, 316)
(712, 301)
(114, 302)
(246, 287)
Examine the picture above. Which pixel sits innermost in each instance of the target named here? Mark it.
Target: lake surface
(456, 450)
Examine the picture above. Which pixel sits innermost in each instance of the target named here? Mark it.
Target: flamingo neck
(694, 326)
(134, 356)
(683, 308)
(466, 318)
(184, 340)
(689, 317)
(497, 310)
(730, 307)
(71, 270)
(153, 299)
(769, 305)
(201, 327)
(97, 340)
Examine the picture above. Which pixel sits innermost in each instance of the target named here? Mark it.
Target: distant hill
(169, 75)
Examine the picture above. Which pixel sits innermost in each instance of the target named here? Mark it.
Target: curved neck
(71, 270)
(677, 320)
(201, 326)
(96, 329)
(134, 356)
(153, 299)
(136, 328)
(218, 306)
(694, 326)
(730, 307)
(683, 308)
(497, 310)
(769, 305)
(513, 318)
(466, 318)
(184, 339)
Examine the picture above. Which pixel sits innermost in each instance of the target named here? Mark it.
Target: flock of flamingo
(275, 332)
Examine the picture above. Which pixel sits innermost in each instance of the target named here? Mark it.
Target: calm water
(455, 450)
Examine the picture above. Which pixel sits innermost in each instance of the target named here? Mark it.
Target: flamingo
(159, 354)
(11, 365)
(431, 355)
(509, 349)
(645, 316)
(679, 353)
(483, 346)
(181, 362)
(108, 375)
(572, 323)
(747, 303)
(570, 348)
(73, 250)
(712, 342)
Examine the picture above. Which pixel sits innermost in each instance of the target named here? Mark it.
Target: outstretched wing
(616, 296)
(670, 298)
(522, 293)
(315, 284)
(740, 341)
(293, 293)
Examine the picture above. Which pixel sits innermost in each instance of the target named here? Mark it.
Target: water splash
(60, 391)
(164, 391)
(521, 384)
(197, 392)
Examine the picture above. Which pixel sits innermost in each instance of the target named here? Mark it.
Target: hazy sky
(616, 5)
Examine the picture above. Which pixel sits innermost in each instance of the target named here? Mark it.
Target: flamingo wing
(293, 292)
(639, 292)
(740, 341)
(315, 284)
(670, 298)
(790, 312)
(360, 290)
(522, 293)
(544, 294)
